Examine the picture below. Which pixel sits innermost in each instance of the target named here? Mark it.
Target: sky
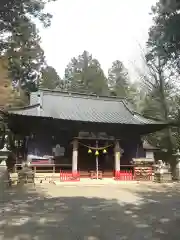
(109, 29)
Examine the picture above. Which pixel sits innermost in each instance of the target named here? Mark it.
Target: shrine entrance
(95, 158)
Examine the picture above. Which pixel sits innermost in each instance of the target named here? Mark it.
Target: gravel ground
(126, 212)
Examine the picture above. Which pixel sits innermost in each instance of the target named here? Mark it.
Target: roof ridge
(78, 94)
(127, 107)
(23, 108)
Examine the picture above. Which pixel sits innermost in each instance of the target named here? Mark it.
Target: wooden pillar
(117, 156)
(75, 156)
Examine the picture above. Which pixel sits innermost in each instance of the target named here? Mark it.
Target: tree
(25, 56)
(12, 10)
(158, 82)
(136, 96)
(121, 86)
(164, 35)
(8, 95)
(118, 79)
(20, 40)
(84, 74)
(164, 48)
(50, 79)
(163, 57)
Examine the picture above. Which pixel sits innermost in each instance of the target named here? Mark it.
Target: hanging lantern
(104, 151)
(96, 153)
(89, 151)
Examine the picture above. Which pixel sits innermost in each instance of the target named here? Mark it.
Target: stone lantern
(4, 155)
(4, 174)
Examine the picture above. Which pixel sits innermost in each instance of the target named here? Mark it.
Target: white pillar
(117, 156)
(75, 156)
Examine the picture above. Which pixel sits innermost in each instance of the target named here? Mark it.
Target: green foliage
(164, 35)
(136, 96)
(118, 79)
(120, 85)
(25, 55)
(14, 10)
(49, 79)
(20, 41)
(163, 64)
(158, 80)
(84, 74)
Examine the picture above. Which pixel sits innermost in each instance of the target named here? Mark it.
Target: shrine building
(72, 131)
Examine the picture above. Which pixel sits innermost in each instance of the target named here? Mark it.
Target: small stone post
(75, 156)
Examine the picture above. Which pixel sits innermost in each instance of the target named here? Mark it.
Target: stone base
(162, 178)
(4, 178)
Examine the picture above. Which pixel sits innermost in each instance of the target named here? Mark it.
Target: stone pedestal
(26, 175)
(75, 156)
(162, 172)
(177, 169)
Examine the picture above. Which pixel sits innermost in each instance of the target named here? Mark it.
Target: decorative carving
(142, 173)
(143, 168)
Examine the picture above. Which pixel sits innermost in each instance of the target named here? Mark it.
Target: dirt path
(132, 212)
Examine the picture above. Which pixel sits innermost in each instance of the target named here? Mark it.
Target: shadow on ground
(27, 214)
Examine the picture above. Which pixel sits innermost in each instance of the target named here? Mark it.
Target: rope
(95, 148)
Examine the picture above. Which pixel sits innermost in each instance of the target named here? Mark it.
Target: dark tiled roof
(83, 108)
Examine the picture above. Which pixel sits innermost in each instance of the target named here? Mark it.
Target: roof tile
(85, 108)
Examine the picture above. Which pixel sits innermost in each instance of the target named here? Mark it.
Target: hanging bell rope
(95, 148)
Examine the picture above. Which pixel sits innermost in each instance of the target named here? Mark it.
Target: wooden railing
(124, 175)
(138, 174)
(50, 167)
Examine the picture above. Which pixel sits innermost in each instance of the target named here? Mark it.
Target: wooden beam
(98, 138)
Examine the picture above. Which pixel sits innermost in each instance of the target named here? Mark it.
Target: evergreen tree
(163, 61)
(118, 79)
(164, 35)
(13, 10)
(50, 78)
(25, 56)
(84, 74)
(8, 95)
(20, 41)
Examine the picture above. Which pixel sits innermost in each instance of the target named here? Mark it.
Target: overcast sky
(109, 29)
